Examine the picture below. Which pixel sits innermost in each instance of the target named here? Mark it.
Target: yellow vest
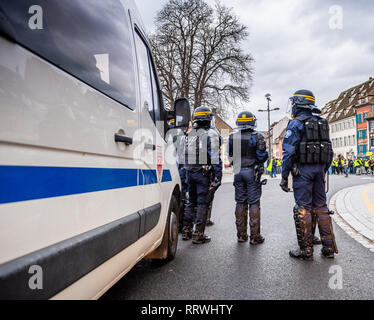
(270, 167)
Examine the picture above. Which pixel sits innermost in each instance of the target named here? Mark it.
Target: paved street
(224, 269)
(355, 208)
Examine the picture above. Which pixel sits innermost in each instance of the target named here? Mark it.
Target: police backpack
(315, 146)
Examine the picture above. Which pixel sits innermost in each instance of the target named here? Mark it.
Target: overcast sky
(294, 47)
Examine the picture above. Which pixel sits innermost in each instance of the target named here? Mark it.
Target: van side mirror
(182, 113)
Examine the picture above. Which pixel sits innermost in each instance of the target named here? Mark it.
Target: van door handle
(149, 146)
(120, 138)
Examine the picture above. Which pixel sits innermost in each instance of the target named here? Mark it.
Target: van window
(144, 75)
(156, 97)
(91, 40)
(150, 91)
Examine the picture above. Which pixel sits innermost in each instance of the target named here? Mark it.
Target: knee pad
(300, 210)
(321, 211)
(254, 208)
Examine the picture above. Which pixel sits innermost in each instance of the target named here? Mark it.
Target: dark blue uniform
(179, 141)
(308, 159)
(202, 155)
(247, 152)
(309, 187)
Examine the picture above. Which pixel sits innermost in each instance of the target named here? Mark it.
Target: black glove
(215, 183)
(284, 185)
(295, 171)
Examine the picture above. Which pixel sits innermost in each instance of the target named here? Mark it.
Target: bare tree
(198, 55)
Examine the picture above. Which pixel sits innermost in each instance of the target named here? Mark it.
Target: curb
(352, 232)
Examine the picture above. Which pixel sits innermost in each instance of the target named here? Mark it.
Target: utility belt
(249, 166)
(196, 168)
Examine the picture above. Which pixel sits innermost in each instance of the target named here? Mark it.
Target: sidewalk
(354, 209)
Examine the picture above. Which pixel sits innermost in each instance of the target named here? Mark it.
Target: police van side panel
(76, 198)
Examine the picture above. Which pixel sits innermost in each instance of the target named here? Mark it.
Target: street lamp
(268, 98)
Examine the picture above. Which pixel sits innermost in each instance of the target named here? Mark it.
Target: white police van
(85, 192)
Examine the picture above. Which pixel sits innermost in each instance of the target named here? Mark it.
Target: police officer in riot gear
(179, 141)
(247, 152)
(201, 155)
(307, 154)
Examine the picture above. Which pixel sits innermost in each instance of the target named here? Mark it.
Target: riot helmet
(302, 100)
(202, 115)
(246, 120)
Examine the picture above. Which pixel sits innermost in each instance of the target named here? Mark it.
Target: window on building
(371, 125)
(359, 118)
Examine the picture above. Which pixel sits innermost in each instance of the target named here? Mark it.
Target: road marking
(366, 199)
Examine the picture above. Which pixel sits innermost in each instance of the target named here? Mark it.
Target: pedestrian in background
(350, 165)
(345, 168)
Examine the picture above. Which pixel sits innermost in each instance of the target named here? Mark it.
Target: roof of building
(370, 116)
(220, 124)
(343, 106)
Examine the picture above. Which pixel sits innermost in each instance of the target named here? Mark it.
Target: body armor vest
(315, 146)
(196, 149)
(248, 155)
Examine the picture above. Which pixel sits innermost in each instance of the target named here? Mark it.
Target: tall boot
(303, 223)
(241, 214)
(187, 232)
(316, 240)
(326, 231)
(200, 237)
(187, 224)
(255, 224)
(181, 215)
(209, 221)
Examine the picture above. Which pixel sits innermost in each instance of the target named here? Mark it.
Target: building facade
(278, 132)
(347, 119)
(343, 137)
(370, 128)
(362, 128)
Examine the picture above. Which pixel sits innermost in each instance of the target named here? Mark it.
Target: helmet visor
(289, 107)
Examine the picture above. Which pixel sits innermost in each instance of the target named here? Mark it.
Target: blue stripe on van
(22, 183)
(166, 176)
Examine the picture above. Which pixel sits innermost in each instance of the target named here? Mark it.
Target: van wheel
(172, 233)
(168, 248)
